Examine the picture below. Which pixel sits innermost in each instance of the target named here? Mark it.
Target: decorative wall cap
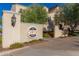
(7, 11)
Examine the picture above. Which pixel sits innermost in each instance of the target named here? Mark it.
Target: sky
(7, 6)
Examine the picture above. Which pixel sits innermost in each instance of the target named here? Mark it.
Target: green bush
(33, 41)
(45, 35)
(35, 14)
(75, 34)
(40, 39)
(16, 45)
(26, 42)
(51, 34)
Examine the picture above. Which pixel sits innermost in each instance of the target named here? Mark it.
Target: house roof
(52, 9)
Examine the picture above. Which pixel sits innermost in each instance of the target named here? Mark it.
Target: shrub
(40, 39)
(75, 34)
(45, 35)
(33, 41)
(16, 45)
(26, 42)
(35, 14)
(51, 33)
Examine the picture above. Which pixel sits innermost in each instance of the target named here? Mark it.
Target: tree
(69, 14)
(34, 14)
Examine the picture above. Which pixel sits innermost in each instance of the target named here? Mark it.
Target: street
(51, 47)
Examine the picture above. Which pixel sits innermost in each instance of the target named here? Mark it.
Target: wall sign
(32, 32)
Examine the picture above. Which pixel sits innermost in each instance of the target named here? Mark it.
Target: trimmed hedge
(16, 45)
(33, 41)
(19, 45)
(46, 35)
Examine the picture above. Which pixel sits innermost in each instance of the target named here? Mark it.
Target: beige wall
(17, 7)
(10, 34)
(20, 33)
(57, 32)
(52, 15)
(45, 26)
(25, 32)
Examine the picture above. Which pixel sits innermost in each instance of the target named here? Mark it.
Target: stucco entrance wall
(17, 7)
(27, 29)
(21, 32)
(57, 32)
(10, 34)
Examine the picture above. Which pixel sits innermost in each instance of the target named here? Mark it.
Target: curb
(14, 50)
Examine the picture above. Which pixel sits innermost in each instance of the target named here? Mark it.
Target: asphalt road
(51, 47)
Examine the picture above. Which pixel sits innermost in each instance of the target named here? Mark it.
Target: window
(13, 20)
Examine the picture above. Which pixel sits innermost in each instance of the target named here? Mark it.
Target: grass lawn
(0, 39)
(76, 33)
